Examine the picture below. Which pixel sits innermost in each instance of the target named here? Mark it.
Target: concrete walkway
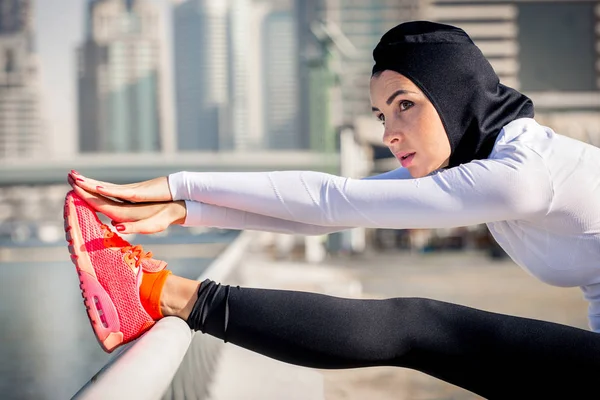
(465, 278)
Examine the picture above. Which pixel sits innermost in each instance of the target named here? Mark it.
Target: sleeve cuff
(193, 213)
(177, 186)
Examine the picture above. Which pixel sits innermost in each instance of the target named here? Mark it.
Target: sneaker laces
(137, 252)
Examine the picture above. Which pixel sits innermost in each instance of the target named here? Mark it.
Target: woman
(471, 153)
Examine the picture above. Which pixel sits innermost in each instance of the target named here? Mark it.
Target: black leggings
(493, 355)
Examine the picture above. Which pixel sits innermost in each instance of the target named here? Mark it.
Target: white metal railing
(151, 367)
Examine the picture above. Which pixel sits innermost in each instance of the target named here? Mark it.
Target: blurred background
(128, 90)
(124, 90)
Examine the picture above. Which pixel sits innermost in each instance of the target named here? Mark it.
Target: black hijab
(449, 68)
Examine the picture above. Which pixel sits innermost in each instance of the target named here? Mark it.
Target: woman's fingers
(171, 213)
(96, 201)
(148, 191)
(118, 212)
(123, 192)
(153, 224)
(102, 204)
(145, 226)
(152, 211)
(86, 183)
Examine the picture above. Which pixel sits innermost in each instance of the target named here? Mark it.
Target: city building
(241, 136)
(335, 41)
(201, 74)
(312, 117)
(121, 93)
(281, 86)
(362, 23)
(236, 74)
(20, 115)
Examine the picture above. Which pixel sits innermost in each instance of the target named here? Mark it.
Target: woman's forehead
(388, 82)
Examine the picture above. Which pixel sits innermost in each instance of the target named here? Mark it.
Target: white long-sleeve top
(538, 193)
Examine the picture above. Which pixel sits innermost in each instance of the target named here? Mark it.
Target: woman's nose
(391, 137)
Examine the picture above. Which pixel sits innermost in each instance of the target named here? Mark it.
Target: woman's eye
(405, 105)
(381, 118)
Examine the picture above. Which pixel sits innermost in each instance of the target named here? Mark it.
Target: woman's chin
(417, 172)
(414, 172)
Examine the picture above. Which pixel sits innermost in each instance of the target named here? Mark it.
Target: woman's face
(413, 129)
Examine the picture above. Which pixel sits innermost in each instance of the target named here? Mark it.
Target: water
(47, 348)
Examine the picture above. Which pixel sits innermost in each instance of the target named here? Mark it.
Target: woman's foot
(110, 272)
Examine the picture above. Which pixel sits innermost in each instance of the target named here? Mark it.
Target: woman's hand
(143, 218)
(148, 191)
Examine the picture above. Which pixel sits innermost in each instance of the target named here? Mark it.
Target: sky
(59, 30)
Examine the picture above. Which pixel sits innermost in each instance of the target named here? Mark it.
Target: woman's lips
(405, 159)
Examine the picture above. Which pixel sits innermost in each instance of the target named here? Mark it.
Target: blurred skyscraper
(363, 22)
(235, 68)
(335, 40)
(120, 94)
(309, 51)
(20, 130)
(240, 52)
(201, 73)
(549, 49)
(281, 86)
(315, 78)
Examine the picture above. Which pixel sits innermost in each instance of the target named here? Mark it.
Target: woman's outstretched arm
(201, 214)
(143, 208)
(477, 192)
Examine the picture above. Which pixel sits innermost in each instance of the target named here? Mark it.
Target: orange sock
(151, 290)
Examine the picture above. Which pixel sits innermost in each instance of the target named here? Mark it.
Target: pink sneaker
(110, 272)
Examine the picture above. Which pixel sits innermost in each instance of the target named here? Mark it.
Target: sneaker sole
(100, 308)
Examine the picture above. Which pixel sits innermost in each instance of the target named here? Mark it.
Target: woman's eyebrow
(393, 96)
(396, 94)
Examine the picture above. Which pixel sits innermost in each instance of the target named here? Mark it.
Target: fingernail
(80, 180)
(75, 172)
(120, 228)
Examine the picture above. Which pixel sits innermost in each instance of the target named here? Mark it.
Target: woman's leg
(494, 355)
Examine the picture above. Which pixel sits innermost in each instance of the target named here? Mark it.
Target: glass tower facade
(201, 74)
(20, 125)
(119, 79)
